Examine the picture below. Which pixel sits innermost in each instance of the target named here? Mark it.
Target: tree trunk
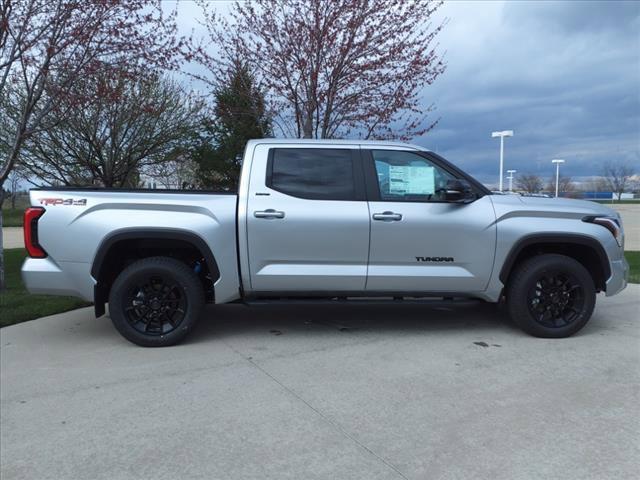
(307, 128)
(2, 285)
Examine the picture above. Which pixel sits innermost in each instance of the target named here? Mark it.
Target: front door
(419, 242)
(307, 219)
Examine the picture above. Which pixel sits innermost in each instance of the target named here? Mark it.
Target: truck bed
(78, 221)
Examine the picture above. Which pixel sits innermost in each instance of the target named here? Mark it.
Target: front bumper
(619, 276)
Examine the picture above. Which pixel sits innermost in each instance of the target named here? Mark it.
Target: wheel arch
(106, 262)
(586, 250)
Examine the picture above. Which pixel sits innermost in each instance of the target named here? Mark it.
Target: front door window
(408, 177)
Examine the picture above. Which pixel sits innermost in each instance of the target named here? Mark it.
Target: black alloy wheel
(157, 306)
(550, 296)
(556, 299)
(156, 301)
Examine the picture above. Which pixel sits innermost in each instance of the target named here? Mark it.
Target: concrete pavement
(631, 220)
(331, 392)
(12, 237)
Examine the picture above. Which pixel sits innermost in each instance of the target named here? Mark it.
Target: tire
(156, 301)
(551, 296)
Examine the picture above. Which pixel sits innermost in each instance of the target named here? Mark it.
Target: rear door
(307, 219)
(419, 242)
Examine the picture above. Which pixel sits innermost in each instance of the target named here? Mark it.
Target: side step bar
(433, 301)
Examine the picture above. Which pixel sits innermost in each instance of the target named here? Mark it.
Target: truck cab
(361, 219)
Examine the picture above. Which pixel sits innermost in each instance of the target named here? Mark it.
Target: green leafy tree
(239, 116)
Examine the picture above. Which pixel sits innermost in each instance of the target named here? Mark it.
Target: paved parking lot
(333, 392)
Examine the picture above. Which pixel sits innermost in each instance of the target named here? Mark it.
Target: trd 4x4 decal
(63, 201)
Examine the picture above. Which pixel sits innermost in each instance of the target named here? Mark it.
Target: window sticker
(411, 180)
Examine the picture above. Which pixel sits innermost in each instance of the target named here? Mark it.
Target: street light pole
(557, 161)
(510, 177)
(502, 134)
(501, 160)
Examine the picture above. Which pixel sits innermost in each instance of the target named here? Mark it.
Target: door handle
(388, 216)
(269, 213)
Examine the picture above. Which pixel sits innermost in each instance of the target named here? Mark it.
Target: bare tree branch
(47, 46)
(529, 182)
(112, 140)
(331, 67)
(617, 175)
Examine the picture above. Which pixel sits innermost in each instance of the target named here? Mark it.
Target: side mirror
(459, 191)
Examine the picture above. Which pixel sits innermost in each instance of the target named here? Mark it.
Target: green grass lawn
(615, 202)
(17, 305)
(634, 262)
(12, 218)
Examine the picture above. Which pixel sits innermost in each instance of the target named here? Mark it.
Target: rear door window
(313, 173)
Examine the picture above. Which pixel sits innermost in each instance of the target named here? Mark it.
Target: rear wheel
(551, 296)
(156, 301)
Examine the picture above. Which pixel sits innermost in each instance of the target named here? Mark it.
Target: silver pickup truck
(323, 221)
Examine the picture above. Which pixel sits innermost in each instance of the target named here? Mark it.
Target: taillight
(31, 216)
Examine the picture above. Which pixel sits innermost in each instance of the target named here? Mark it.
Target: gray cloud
(564, 75)
(586, 16)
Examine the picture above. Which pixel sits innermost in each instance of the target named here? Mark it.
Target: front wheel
(551, 296)
(156, 301)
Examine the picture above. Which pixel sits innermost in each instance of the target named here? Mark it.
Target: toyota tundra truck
(323, 221)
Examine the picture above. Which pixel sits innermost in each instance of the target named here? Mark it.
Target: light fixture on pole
(510, 177)
(502, 134)
(557, 161)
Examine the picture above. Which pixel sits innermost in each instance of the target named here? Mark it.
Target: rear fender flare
(145, 234)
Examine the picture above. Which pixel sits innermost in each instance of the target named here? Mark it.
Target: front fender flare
(554, 238)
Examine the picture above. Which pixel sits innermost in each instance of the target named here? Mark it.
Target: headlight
(613, 224)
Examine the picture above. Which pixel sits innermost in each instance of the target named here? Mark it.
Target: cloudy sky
(565, 76)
